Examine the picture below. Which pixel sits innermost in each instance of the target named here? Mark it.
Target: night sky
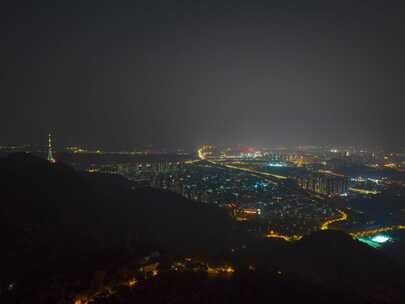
(180, 73)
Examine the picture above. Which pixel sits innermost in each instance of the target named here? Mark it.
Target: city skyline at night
(194, 152)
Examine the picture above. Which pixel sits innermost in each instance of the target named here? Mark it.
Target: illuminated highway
(364, 191)
(370, 232)
(256, 172)
(325, 226)
(202, 156)
(343, 217)
(295, 237)
(275, 179)
(289, 238)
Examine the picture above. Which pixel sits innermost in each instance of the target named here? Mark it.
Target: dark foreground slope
(51, 211)
(61, 231)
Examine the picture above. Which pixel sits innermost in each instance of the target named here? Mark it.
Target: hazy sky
(118, 74)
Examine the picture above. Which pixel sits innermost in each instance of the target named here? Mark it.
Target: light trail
(364, 191)
(376, 230)
(193, 161)
(325, 226)
(255, 171)
(362, 233)
(296, 237)
(202, 156)
(286, 237)
(343, 217)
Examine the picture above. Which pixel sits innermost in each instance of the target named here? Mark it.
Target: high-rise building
(50, 154)
(330, 184)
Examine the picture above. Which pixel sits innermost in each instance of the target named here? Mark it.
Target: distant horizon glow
(183, 74)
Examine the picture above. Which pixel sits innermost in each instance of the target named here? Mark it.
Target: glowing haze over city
(202, 152)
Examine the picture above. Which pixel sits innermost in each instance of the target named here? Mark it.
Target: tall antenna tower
(50, 154)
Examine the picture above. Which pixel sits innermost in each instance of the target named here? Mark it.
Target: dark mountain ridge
(54, 219)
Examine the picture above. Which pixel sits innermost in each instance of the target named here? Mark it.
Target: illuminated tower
(50, 155)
